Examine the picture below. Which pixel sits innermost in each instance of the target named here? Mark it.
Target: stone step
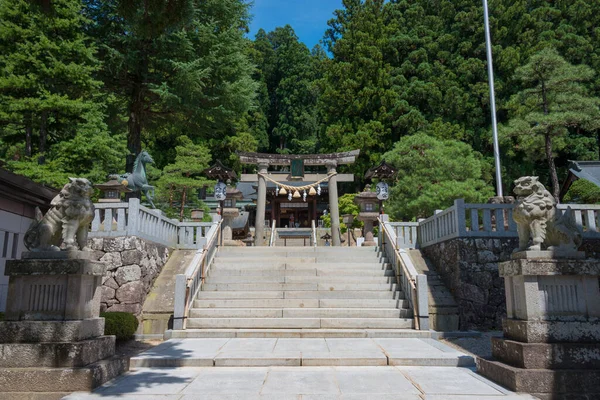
(297, 286)
(221, 272)
(235, 352)
(297, 313)
(331, 323)
(344, 294)
(278, 265)
(300, 279)
(192, 333)
(301, 294)
(301, 303)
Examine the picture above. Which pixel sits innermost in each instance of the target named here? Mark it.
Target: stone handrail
(314, 233)
(187, 285)
(413, 284)
(272, 236)
(133, 219)
(492, 221)
(406, 233)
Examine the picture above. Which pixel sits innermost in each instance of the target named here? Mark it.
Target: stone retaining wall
(132, 266)
(469, 268)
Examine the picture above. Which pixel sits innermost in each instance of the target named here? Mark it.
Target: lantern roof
(382, 171)
(220, 172)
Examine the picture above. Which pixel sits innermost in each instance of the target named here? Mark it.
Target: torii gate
(331, 161)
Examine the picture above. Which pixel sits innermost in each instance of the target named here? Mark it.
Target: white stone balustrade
(133, 219)
(488, 221)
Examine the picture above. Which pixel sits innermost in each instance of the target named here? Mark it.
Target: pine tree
(432, 173)
(185, 174)
(552, 109)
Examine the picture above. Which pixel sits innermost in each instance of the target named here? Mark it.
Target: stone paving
(257, 352)
(306, 383)
(259, 368)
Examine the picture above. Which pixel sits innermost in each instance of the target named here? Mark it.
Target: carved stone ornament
(220, 191)
(382, 191)
(537, 218)
(66, 222)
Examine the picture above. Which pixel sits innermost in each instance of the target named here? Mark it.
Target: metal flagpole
(488, 43)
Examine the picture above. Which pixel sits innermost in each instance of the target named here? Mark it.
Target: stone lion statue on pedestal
(67, 220)
(537, 217)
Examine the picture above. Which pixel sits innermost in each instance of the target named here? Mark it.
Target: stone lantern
(111, 191)
(229, 212)
(369, 212)
(197, 215)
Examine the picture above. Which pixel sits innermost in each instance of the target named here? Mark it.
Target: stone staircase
(299, 292)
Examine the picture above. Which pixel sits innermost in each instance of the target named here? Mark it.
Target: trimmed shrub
(1, 316)
(121, 324)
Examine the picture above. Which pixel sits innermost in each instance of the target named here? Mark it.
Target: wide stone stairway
(298, 292)
(300, 323)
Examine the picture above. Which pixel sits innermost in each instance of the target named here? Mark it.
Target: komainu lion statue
(67, 220)
(537, 217)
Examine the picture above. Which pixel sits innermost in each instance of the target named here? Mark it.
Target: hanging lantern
(290, 196)
(304, 196)
(312, 191)
(220, 191)
(382, 191)
(282, 191)
(296, 194)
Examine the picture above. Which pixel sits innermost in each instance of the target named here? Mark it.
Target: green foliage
(1, 316)
(179, 68)
(286, 120)
(346, 206)
(433, 173)
(121, 324)
(583, 192)
(548, 115)
(182, 178)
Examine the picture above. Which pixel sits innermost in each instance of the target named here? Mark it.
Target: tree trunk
(183, 200)
(134, 126)
(43, 137)
(28, 135)
(552, 168)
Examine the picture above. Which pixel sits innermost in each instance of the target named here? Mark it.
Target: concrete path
(259, 352)
(306, 383)
(307, 369)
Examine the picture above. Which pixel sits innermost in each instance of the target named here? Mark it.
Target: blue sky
(307, 17)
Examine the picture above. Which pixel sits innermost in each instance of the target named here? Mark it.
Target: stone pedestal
(229, 214)
(551, 333)
(52, 339)
(368, 218)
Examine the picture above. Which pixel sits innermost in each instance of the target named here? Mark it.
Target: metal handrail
(187, 285)
(412, 283)
(272, 238)
(314, 233)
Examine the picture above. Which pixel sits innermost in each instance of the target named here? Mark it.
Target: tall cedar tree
(47, 63)
(553, 107)
(287, 72)
(177, 64)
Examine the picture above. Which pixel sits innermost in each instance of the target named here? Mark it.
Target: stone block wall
(469, 268)
(132, 266)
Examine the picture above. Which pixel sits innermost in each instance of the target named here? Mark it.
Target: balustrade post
(460, 219)
(133, 216)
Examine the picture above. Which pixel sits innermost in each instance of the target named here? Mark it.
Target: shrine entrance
(293, 194)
